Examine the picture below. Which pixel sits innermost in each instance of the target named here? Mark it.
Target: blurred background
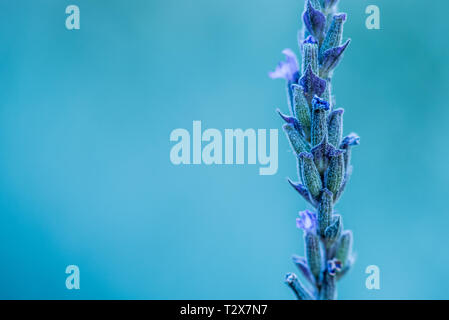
(85, 173)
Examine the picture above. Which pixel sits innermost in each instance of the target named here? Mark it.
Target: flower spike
(314, 129)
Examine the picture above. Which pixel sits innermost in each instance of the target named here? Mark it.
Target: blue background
(85, 175)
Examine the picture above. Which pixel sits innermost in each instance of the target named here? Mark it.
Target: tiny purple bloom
(350, 140)
(310, 40)
(306, 221)
(288, 69)
(319, 103)
(333, 266)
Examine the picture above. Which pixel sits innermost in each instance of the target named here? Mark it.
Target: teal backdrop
(85, 172)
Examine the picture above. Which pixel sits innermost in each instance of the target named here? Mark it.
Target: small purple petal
(307, 221)
(302, 190)
(320, 154)
(314, 20)
(312, 84)
(292, 120)
(301, 263)
(287, 69)
(332, 57)
(321, 149)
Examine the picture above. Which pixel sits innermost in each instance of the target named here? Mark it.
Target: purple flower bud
(314, 129)
(288, 69)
